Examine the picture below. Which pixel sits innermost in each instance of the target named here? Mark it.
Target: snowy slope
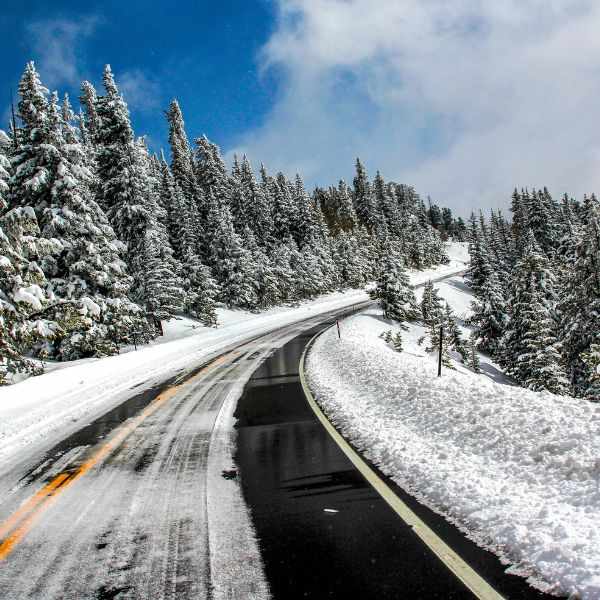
(518, 470)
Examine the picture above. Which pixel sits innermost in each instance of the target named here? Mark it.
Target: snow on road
(518, 470)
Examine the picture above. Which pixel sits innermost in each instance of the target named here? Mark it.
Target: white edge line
(480, 588)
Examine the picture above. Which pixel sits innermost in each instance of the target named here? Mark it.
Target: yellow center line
(14, 529)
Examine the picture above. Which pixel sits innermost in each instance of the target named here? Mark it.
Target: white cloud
(56, 47)
(464, 99)
(140, 91)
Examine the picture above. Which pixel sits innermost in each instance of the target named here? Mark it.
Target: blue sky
(203, 53)
(463, 99)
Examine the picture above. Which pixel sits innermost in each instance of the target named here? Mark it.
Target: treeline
(537, 287)
(100, 240)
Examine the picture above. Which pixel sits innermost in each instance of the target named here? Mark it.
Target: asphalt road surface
(119, 509)
(324, 532)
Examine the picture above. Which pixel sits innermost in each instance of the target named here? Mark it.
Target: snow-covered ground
(518, 470)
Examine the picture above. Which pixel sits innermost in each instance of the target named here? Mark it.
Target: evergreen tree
(393, 290)
(580, 308)
(77, 251)
(22, 286)
(202, 290)
(182, 164)
(232, 263)
(473, 361)
(489, 315)
(431, 304)
(435, 330)
(530, 351)
(397, 341)
(363, 199)
(5, 170)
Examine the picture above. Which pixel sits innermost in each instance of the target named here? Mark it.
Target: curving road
(133, 504)
(151, 500)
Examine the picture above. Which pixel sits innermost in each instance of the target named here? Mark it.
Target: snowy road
(139, 503)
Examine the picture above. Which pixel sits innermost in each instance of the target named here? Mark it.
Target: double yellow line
(16, 527)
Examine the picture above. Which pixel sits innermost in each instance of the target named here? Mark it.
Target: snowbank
(518, 470)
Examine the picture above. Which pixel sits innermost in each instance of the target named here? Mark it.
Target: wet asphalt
(323, 531)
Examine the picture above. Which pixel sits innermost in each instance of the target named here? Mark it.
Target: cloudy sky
(464, 99)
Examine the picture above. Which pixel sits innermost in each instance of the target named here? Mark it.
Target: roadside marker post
(338, 328)
(440, 351)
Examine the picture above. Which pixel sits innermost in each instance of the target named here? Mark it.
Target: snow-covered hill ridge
(518, 470)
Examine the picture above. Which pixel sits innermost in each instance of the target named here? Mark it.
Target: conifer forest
(101, 240)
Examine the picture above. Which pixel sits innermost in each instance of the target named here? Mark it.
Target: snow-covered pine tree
(348, 262)
(489, 315)
(182, 163)
(263, 277)
(434, 330)
(77, 250)
(284, 211)
(520, 220)
(282, 270)
(22, 286)
(580, 308)
(336, 206)
(591, 360)
(457, 343)
(473, 358)
(202, 290)
(363, 199)
(479, 269)
(257, 211)
(5, 170)
(384, 213)
(431, 304)
(530, 349)
(397, 342)
(231, 262)
(393, 290)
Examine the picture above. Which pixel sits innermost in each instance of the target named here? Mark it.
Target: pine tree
(232, 264)
(282, 270)
(591, 360)
(434, 332)
(530, 350)
(489, 315)
(580, 308)
(431, 304)
(393, 290)
(5, 170)
(22, 285)
(397, 341)
(474, 362)
(202, 290)
(77, 249)
(363, 199)
(182, 164)
(257, 212)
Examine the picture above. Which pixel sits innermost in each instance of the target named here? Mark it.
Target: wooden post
(338, 328)
(440, 352)
(134, 341)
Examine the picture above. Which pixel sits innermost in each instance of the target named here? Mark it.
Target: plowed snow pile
(518, 470)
